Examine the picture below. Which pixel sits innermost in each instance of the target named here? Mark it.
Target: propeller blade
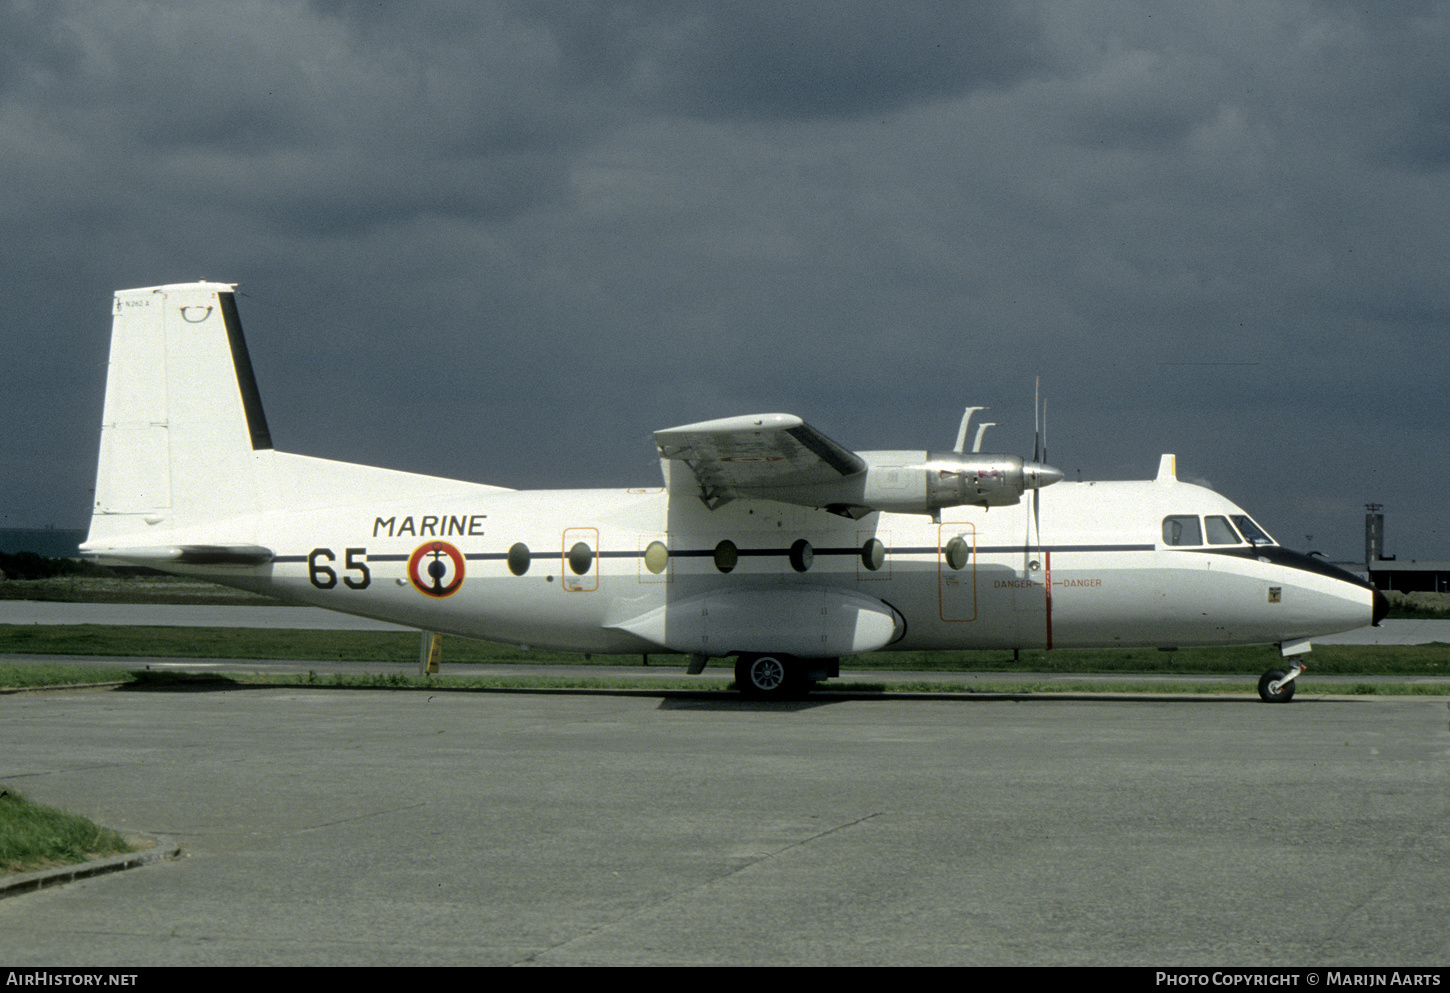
(1044, 429)
(1036, 421)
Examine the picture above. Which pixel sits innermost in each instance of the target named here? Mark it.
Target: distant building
(1410, 576)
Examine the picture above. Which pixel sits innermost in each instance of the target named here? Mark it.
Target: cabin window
(656, 556)
(1220, 531)
(957, 553)
(801, 555)
(518, 558)
(1181, 530)
(726, 555)
(581, 557)
(873, 554)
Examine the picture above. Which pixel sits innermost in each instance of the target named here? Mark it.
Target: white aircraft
(768, 542)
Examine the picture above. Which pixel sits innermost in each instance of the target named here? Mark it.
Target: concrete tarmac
(369, 827)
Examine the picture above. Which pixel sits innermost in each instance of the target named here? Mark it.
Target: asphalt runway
(369, 827)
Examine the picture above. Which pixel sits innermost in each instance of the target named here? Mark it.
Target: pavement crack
(534, 957)
(365, 816)
(799, 844)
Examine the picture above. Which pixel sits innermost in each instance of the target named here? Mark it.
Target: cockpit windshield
(1251, 531)
(1219, 532)
(1190, 530)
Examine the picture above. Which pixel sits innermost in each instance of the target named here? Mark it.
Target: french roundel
(436, 569)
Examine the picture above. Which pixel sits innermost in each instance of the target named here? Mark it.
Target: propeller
(1035, 524)
(1039, 473)
(1037, 421)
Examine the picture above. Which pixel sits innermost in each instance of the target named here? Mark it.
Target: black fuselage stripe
(1273, 554)
(1281, 556)
(692, 553)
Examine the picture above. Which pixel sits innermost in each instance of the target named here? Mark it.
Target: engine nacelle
(927, 482)
(779, 457)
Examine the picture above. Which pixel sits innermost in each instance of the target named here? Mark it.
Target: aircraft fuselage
(1099, 574)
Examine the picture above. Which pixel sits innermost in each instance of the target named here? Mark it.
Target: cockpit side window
(1254, 534)
(1220, 532)
(1181, 530)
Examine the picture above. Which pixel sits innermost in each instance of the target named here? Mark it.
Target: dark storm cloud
(33, 47)
(506, 240)
(310, 122)
(828, 57)
(754, 58)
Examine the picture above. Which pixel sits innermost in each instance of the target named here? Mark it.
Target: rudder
(183, 422)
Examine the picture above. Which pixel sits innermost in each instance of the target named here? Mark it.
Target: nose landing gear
(1277, 686)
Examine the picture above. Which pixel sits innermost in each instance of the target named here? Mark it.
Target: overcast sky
(507, 241)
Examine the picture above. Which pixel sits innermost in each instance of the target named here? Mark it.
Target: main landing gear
(1277, 686)
(781, 677)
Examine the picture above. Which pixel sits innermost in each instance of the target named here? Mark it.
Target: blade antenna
(962, 431)
(982, 430)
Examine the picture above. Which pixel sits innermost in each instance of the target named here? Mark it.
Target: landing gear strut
(1277, 686)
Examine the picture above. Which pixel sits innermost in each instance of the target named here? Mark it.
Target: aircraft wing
(757, 455)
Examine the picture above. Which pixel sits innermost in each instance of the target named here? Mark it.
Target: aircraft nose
(1381, 607)
(1038, 475)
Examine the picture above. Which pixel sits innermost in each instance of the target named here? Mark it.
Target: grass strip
(1008, 683)
(34, 836)
(402, 648)
(262, 643)
(29, 674)
(105, 587)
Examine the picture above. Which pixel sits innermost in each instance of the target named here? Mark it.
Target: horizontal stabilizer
(185, 554)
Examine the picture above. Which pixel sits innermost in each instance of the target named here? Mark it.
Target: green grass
(1240, 667)
(15, 676)
(262, 643)
(102, 586)
(1336, 660)
(33, 836)
(402, 648)
(712, 682)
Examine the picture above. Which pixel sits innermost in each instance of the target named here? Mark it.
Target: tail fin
(187, 467)
(183, 424)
